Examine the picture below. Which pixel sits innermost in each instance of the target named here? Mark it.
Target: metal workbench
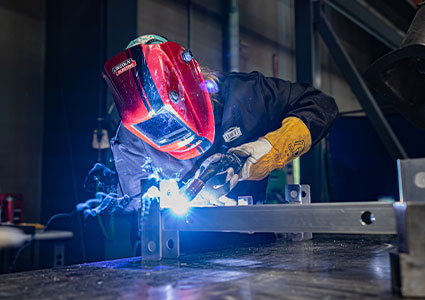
(331, 267)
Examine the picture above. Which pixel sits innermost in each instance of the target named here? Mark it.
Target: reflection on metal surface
(231, 262)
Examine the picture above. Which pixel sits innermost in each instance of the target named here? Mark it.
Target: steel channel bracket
(157, 243)
(296, 193)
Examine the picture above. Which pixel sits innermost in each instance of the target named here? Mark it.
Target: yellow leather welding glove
(274, 150)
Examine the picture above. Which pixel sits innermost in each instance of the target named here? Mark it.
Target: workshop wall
(362, 48)
(266, 30)
(169, 18)
(22, 45)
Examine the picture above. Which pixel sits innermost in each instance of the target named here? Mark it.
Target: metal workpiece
(151, 226)
(355, 218)
(157, 243)
(411, 179)
(410, 218)
(296, 193)
(299, 218)
(408, 265)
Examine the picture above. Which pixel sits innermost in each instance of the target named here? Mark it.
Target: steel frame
(357, 84)
(160, 232)
(369, 21)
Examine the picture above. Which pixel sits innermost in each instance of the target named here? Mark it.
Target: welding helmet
(159, 93)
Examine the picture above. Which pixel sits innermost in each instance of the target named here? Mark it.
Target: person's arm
(133, 167)
(305, 115)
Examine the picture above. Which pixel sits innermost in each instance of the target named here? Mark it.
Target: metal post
(306, 44)
(231, 42)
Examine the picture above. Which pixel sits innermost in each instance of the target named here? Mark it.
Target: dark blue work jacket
(251, 103)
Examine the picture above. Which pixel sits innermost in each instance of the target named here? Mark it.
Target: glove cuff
(290, 141)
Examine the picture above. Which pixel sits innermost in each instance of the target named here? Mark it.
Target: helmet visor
(164, 129)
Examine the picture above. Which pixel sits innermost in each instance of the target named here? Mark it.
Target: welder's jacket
(251, 105)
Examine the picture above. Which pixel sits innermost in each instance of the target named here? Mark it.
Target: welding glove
(101, 179)
(215, 190)
(274, 150)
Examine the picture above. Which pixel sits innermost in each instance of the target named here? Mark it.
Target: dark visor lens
(163, 129)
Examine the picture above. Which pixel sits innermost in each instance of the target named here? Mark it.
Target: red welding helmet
(158, 90)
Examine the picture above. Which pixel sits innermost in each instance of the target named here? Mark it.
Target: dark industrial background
(52, 94)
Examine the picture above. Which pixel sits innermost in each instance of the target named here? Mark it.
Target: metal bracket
(157, 243)
(58, 254)
(296, 193)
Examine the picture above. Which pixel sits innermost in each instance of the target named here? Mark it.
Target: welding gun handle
(232, 160)
(228, 160)
(210, 171)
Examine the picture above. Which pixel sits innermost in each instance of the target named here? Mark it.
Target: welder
(178, 117)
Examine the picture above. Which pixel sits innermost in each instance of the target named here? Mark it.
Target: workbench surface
(331, 267)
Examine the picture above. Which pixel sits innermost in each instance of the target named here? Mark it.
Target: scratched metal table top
(331, 267)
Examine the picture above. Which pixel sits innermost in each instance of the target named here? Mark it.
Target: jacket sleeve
(131, 162)
(284, 99)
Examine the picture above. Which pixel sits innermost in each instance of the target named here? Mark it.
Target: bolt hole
(303, 194)
(170, 244)
(367, 218)
(151, 246)
(293, 194)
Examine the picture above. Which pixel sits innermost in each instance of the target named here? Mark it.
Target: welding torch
(227, 160)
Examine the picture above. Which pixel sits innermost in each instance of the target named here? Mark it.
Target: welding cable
(29, 242)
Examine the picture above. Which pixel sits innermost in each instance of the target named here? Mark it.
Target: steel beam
(358, 86)
(353, 218)
(370, 21)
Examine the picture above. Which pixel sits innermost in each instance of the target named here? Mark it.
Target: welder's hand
(218, 187)
(274, 150)
(253, 151)
(101, 179)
